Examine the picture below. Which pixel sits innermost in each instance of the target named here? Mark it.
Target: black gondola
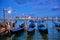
(42, 29)
(57, 25)
(18, 29)
(31, 28)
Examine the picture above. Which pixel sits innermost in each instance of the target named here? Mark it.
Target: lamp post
(4, 13)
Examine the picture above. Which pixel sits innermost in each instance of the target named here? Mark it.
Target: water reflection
(30, 37)
(53, 34)
(44, 36)
(20, 36)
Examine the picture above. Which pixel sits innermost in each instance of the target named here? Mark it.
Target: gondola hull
(31, 28)
(43, 31)
(17, 31)
(31, 31)
(57, 26)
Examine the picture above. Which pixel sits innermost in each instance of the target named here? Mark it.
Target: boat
(57, 25)
(18, 29)
(8, 29)
(3, 30)
(42, 28)
(31, 28)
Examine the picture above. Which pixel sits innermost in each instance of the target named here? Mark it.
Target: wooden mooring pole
(47, 22)
(52, 22)
(25, 27)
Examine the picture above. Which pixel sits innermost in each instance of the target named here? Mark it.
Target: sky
(36, 8)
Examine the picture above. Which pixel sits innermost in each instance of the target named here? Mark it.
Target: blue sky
(40, 8)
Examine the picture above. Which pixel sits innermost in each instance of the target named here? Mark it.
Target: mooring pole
(4, 12)
(25, 25)
(47, 22)
(52, 22)
(58, 21)
(36, 23)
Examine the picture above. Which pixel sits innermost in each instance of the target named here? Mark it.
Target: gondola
(15, 30)
(42, 28)
(3, 31)
(57, 25)
(31, 28)
(18, 29)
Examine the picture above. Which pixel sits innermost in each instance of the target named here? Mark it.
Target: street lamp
(6, 11)
(9, 11)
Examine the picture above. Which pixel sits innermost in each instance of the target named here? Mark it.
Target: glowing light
(9, 11)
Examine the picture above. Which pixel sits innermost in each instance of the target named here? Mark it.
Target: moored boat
(3, 29)
(18, 29)
(57, 25)
(31, 28)
(42, 28)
